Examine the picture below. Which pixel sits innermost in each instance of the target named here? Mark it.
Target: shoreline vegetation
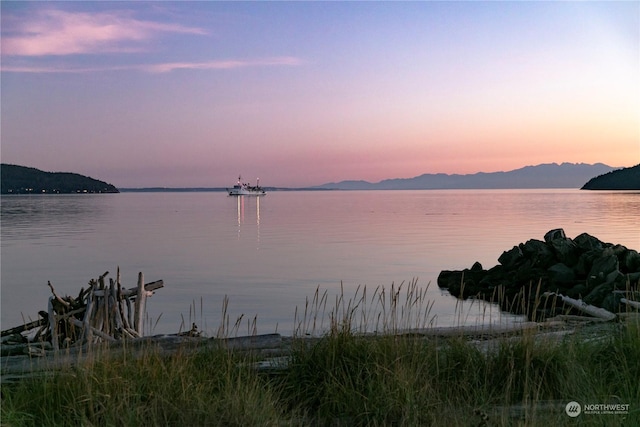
(621, 179)
(366, 359)
(25, 180)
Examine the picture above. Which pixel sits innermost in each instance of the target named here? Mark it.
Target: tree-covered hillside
(621, 179)
(16, 179)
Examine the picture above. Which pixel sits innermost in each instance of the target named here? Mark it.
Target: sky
(191, 94)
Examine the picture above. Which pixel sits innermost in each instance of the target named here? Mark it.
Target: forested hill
(621, 179)
(16, 179)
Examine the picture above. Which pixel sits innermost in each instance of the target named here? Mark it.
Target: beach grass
(362, 370)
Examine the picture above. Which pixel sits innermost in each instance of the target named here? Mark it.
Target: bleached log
(101, 334)
(133, 292)
(113, 322)
(43, 330)
(97, 318)
(53, 325)
(129, 333)
(120, 302)
(101, 284)
(115, 310)
(86, 323)
(133, 333)
(21, 349)
(140, 305)
(185, 343)
(570, 318)
(23, 328)
(106, 326)
(60, 300)
(250, 342)
(35, 351)
(149, 287)
(634, 304)
(71, 313)
(584, 307)
(471, 330)
(130, 314)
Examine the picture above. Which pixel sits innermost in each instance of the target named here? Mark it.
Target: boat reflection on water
(242, 200)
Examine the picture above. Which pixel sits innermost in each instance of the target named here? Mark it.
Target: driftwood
(630, 303)
(584, 307)
(23, 328)
(570, 318)
(15, 367)
(100, 313)
(473, 330)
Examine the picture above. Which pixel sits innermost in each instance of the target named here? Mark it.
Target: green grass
(346, 378)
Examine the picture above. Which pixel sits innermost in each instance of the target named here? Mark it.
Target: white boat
(245, 189)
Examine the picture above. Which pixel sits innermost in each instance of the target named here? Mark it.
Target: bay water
(262, 260)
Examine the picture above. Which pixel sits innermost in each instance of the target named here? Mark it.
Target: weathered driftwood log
(99, 333)
(15, 367)
(472, 330)
(53, 325)
(584, 307)
(60, 300)
(86, 323)
(570, 318)
(630, 303)
(23, 328)
(141, 299)
(253, 342)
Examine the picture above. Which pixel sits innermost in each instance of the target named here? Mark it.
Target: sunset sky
(190, 94)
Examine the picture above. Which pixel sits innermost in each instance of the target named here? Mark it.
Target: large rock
(630, 261)
(511, 257)
(583, 268)
(607, 263)
(561, 274)
(552, 235)
(585, 262)
(587, 242)
(539, 252)
(566, 251)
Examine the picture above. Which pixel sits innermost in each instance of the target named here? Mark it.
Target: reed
(363, 366)
(385, 311)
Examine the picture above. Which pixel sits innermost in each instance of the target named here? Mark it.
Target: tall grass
(361, 369)
(207, 388)
(401, 307)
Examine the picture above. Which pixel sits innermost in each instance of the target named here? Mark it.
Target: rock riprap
(598, 273)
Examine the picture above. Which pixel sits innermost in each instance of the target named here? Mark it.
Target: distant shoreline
(284, 190)
(207, 189)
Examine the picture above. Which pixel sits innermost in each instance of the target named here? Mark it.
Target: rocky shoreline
(530, 277)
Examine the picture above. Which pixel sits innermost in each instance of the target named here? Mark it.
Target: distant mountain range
(550, 175)
(622, 179)
(24, 180)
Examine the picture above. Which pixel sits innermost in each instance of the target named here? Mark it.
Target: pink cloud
(220, 65)
(161, 67)
(55, 32)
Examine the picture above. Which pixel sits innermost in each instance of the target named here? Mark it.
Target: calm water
(269, 255)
